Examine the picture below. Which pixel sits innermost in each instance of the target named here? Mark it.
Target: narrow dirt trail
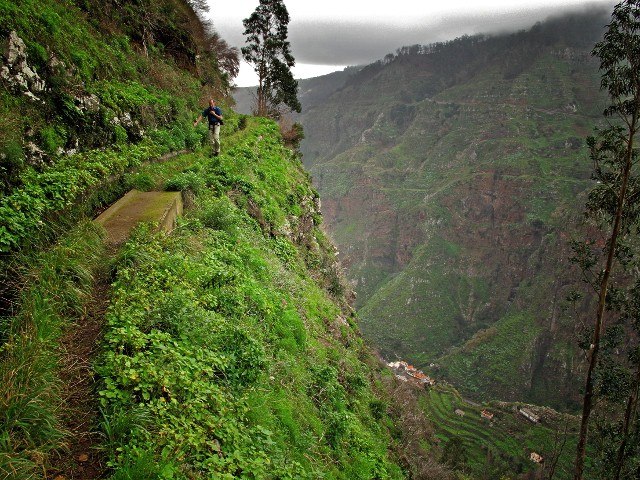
(81, 457)
(79, 347)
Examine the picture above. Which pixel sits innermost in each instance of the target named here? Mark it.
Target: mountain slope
(449, 175)
(224, 350)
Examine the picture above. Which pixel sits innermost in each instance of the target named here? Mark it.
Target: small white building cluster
(536, 457)
(405, 372)
(529, 415)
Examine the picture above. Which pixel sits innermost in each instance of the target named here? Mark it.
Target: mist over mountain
(451, 176)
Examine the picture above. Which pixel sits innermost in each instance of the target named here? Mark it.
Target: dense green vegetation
(223, 354)
(226, 349)
(54, 289)
(81, 105)
(96, 89)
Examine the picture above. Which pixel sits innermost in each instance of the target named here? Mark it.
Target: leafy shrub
(176, 138)
(218, 213)
(289, 330)
(246, 354)
(284, 249)
(51, 21)
(172, 314)
(378, 409)
(127, 96)
(338, 427)
(193, 139)
(36, 53)
(11, 162)
(85, 63)
(141, 181)
(185, 181)
(327, 391)
(118, 425)
(121, 135)
(142, 465)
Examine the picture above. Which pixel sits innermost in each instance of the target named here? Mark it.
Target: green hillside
(451, 175)
(226, 349)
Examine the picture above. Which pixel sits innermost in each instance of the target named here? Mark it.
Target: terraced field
(503, 445)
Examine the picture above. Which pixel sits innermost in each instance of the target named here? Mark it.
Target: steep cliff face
(227, 348)
(450, 177)
(382, 237)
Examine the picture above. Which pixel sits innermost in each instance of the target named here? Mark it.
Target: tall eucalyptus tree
(613, 205)
(269, 52)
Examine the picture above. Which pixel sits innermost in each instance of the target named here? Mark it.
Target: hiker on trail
(214, 116)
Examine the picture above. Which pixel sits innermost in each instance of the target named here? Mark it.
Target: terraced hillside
(451, 177)
(488, 447)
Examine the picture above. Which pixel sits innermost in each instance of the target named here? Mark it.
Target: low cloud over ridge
(357, 43)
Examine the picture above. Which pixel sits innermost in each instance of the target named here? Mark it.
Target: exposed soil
(82, 460)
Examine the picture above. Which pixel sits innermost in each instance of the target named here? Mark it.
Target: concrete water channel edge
(136, 207)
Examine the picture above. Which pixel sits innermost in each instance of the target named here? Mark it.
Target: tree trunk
(604, 285)
(628, 415)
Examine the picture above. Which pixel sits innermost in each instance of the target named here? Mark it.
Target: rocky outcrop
(133, 127)
(16, 71)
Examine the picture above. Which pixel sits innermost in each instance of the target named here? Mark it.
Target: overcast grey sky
(329, 35)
